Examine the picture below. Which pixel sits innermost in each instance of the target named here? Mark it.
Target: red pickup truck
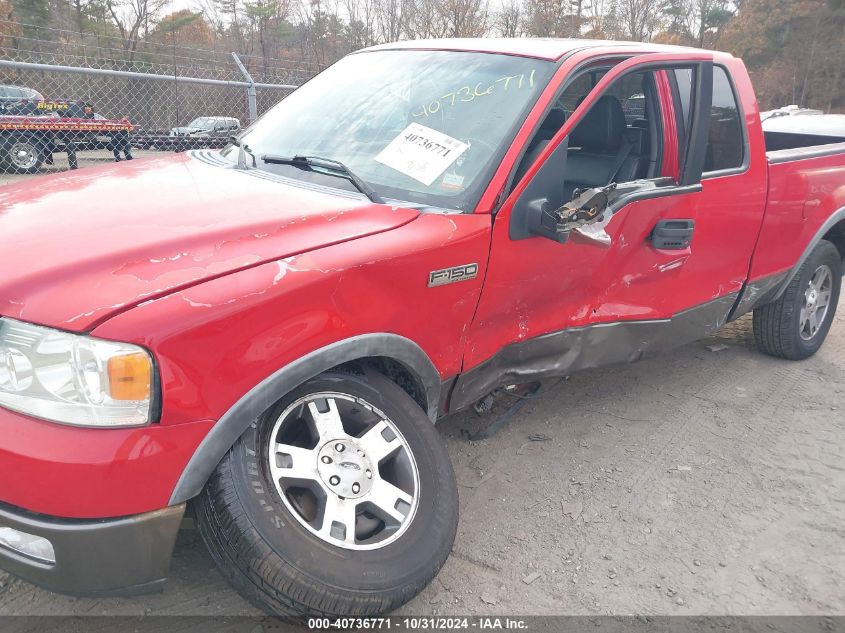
(267, 334)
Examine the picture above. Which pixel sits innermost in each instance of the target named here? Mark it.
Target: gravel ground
(701, 482)
(710, 480)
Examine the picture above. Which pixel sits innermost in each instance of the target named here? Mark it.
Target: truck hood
(76, 248)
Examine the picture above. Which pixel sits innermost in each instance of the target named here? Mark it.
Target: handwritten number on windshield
(465, 94)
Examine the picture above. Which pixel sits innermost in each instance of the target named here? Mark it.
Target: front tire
(795, 326)
(339, 501)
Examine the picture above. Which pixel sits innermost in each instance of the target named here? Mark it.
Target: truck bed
(778, 141)
(801, 131)
(804, 196)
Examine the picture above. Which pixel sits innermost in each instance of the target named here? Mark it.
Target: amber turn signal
(129, 377)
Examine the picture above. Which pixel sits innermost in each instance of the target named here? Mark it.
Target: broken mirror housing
(586, 206)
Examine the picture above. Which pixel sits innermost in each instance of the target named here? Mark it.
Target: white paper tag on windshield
(421, 153)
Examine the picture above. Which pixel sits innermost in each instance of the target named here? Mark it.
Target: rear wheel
(21, 153)
(796, 325)
(340, 500)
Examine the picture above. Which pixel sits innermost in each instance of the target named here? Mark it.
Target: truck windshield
(424, 127)
(202, 123)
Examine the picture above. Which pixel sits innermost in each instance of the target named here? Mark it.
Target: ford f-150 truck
(267, 334)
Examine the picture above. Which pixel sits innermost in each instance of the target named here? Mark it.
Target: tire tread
(774, 325)
(267, 580)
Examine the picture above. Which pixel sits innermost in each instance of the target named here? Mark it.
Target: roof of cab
(541, 48)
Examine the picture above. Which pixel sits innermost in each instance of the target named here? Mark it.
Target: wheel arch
(406, 378)
(833, 230)
(399, 358)
(836, 235)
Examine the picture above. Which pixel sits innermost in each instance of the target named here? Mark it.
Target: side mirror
(543, 194)
(542, 219)
(587, 206)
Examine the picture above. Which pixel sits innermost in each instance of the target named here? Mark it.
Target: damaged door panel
(599, 345)
(605, 270)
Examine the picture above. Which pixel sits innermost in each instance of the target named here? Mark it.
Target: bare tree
(509, 19)
(390, 17)
(212, 13)
(322, 31)
(361, 17)
(265, 19)
(423, 19)
(464, 18)
(712, 16)
(236, 23)
(133, 19)
(577, 8)
(640, 18)
(598, 15)
(547, 18)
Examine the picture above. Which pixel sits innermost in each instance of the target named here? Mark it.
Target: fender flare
(834, 219)
(237, 419)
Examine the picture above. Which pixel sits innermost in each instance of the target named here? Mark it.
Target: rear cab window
(726, 138)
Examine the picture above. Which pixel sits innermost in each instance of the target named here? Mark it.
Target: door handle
(673, 235)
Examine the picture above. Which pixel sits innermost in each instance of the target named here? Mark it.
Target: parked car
(19, 93)
(209, 126)
(16, 100)
(265, 336)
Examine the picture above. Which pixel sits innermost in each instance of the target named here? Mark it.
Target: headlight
(72, 378)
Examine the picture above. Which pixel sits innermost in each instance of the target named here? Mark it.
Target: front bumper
(71, 472)
(102, 557)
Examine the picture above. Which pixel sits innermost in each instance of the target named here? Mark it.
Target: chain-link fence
(62, 47)
(87, 95)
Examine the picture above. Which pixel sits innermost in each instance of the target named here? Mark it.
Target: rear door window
(725, 144)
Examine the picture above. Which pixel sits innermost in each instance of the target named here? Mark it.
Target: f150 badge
(451, 275)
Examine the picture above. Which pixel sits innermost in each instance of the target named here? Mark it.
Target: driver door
(549, 307)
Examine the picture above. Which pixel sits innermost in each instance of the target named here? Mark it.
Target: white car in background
(19, 93)
(209, 126)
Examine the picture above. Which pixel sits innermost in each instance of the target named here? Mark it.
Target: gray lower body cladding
(757, 293)
(559, 353)
(99, 557)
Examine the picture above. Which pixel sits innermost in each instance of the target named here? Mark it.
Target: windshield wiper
(326, 163)
(243, 150)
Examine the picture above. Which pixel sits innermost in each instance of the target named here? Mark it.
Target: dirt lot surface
(707, 481)
(701, 482)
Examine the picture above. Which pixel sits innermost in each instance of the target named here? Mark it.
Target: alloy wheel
(344, 471)
(816, 302)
